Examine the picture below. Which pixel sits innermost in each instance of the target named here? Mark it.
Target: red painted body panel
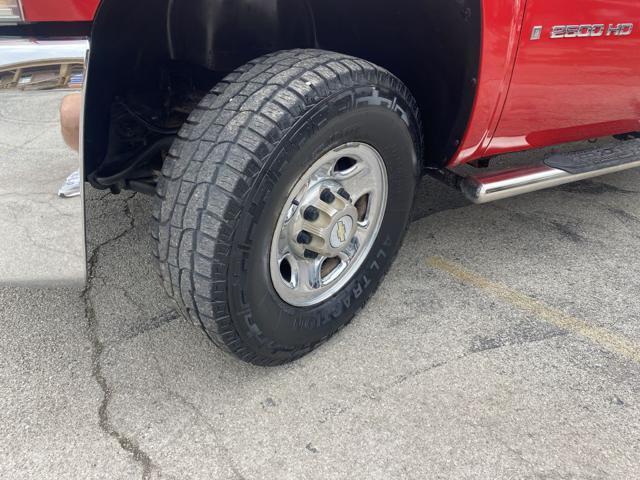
(568, 89)
(59, 10)
(561, 90)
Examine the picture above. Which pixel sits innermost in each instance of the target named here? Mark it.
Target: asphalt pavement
(504, 343)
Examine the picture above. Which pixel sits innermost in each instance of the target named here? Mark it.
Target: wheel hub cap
(330, 231)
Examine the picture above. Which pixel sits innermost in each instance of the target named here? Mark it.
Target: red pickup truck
(283, 139)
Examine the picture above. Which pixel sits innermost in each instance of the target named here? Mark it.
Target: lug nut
(327, 196)
(304, 238)
(311, 214)
(310, 254)
(344, 194)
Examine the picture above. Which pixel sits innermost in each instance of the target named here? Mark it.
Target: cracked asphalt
(504, 343)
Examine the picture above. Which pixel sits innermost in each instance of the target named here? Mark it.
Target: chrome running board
(556, 170)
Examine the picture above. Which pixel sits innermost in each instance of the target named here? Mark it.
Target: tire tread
(218, 155)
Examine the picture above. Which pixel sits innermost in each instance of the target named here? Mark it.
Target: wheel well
(151, 61)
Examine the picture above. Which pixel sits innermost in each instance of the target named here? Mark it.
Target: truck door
(577, 74)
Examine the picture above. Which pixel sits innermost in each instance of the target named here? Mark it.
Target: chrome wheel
(328, 224)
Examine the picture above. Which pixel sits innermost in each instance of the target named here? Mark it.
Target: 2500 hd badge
(585, 30)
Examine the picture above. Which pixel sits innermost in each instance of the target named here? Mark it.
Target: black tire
(230, 170)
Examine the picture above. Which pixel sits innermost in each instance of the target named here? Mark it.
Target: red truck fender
(439, 65)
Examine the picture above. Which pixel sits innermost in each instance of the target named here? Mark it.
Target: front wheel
(285, 199)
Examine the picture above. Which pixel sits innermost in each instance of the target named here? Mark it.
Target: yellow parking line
(600, 336)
